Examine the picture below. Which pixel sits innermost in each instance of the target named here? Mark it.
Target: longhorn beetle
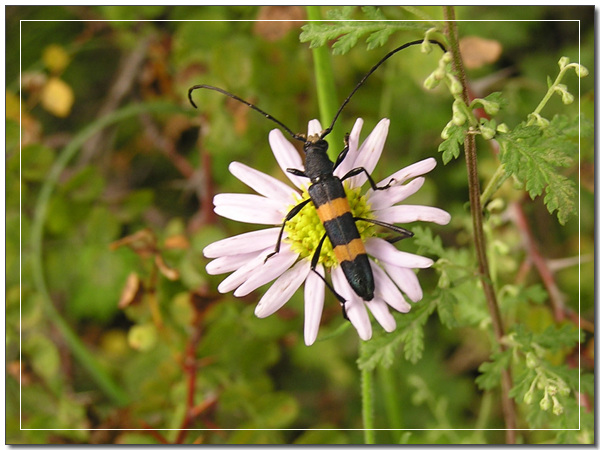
(329, 197)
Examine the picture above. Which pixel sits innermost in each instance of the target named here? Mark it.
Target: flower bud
(439, 73)
(491, 108)
(502, 128)
(431, 81)
(552, 390)
(454, 85)
(581, 71)
(528, 397)
(539, 120)
(545, 403)
(426, 46)
(531, 361)
(557, 408)
(446, 58)
(458, 116)
(562, 62)
(487, 132)
(446, 131)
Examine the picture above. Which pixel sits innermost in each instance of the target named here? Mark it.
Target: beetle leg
(359, 170)
(290, 215)
(313, 267)
(297, 172)
(403, 233)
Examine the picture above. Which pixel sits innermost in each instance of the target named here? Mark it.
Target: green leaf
(446, 308)
(427, 242)
(414, 343)
(450, 148)
(347, 33)
(491, 371)
(533, 155)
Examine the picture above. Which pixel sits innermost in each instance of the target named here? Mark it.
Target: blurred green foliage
(129, 213)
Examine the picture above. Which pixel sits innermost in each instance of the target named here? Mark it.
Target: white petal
(229, 263)
(370, 151)
(242, 243)
(314, 127)
(348, 162)
(287, 156)
(386, 290)
(414, 170)
(262, 183)
(355, 308)
(271, 269)
(386, 252)
(388, 197)
(243, 273)
(382, 314)
(314, 297)
(413, 213)
(406, 280)
(282, 290)
(249, 208)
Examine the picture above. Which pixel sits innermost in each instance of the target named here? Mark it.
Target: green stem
(325, 83)
(367, 405)
(508, 405)
(549, 94)
(388, 384)
(494, 184)
(81, 353)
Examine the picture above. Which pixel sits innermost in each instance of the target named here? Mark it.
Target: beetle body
(329, 198)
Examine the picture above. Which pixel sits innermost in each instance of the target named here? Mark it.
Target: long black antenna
(373, 69)
(255, 108)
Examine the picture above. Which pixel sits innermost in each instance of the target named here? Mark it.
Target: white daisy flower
(244, 255)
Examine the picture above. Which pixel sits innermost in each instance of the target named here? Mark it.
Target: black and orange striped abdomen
(333, 209)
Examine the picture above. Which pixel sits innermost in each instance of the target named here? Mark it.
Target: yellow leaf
(57, 97)
(55, 58)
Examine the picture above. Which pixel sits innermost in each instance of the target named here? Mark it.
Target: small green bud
(491, 108)
(581, 71)
(552, 390)
(567, 98)
(444, 281)
(563, 389)
(446, 58)
(545, 402)
(562, 62)
(502, 128)
(531, 361)
(431, 81)
(454, 85)
(426, 45)
(539, 120)
(458, 116)
(557, 408)
(439, 73)
(446, 131)
(487, 132)
(528, 397)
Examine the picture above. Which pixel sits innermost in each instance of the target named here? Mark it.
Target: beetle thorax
(317, 166)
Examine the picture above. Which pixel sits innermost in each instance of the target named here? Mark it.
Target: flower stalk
(325, 83)
(508, 405)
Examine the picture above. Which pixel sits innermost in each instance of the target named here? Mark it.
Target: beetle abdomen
(333, 209)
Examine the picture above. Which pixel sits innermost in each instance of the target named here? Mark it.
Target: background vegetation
(116, 334)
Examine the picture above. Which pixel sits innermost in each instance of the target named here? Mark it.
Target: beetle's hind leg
(402, 232)
(313, 266)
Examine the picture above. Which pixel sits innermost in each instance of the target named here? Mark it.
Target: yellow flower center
(305, 230)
